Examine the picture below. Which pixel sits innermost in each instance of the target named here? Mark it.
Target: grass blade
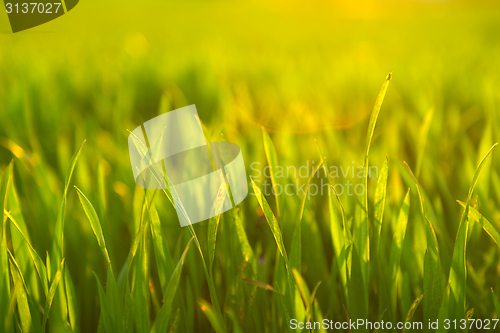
(37, 261)
(458, 270)
(272, 160)
(433, 271)
(161, 322)
(413, 308)
(397, 249)
(496, 302)
(487, 226)
(361, 225)
(52, 292)
(275, 229)
(95, 224)
(57, 246)
(210, 314)
(108, 319)
(380, 194)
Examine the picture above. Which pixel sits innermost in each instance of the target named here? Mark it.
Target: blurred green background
(304, 70)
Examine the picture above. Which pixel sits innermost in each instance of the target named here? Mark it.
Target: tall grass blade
(496, 302)
(108, 318)
(52, 292)
(275, 229)
(413, 308)
(433, 271)
(397, 249)
(487, 226)
(57, 245)
(458, 270)
(272, 160)
(161, 322)
(361, 223)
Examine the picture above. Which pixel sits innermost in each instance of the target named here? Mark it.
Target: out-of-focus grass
(303, 70)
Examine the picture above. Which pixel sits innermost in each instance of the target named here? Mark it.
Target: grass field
(293, 83)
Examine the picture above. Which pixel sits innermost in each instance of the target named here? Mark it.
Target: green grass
(84, 249)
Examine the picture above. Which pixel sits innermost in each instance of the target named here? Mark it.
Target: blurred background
(303, 70)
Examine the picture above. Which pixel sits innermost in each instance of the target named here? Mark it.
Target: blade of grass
(5, 292)
(272, 160)
(210, 314)
(210, 280)
(275, 229)
(380, 195)
(246, 249)
(95, 225)
(397, 249)
(361, 223)
(37, 261)
(340, 244)
(164, 260)
(112, 289)
(22, 297)
(424, 131)
(487, 226)
(433, 271)
(496, 302)
(108, 319)
(413, 308)
(458, 270)
(213, 226)
(161, 322)
(57, 245)
(296, 251)
(52, 293)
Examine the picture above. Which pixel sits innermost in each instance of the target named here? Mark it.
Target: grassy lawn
(300, 86)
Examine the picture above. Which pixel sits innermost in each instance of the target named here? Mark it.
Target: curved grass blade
(210, 314)
(95, 225)
(245, 245)
(340, 244)
(361, 224)
(397, 249)
(487, 226)
(161, 322)
(108, 319)
(164, 260)
(5, 292)
(424, 131)
(272, 160)
(213, 226)
(275, 230)
(57, 245)
(296, 251)
(468, 316)
(496, 302)
(458, 270)
(380, 194)
(37, 261)
(413, 308)
(283, 304)
(210, 280)
(433, 271)
(52, 292)
(21, 293)
(303, 289)
(112, 289)
(271, 219)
